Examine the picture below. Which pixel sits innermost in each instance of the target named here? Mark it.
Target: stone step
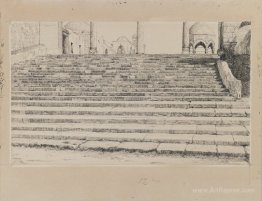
(125, 98)
(102, 81)
(154, 73)
(120, 85)
(183, 149)
(34, 116)
(202, 139)
(101, 62)
(87, 71)
(135, 128)
(74, 93)
(123, 111)
(127, 74)
(76, 79)
(116, 65)
(134, 104)
(113, 68)
(115, 89)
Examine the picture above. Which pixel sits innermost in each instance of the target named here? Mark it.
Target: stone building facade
(128, 47)
(76, 38)
(198, 38)
(24, 35)
(235, 44)
(29, 35)
(229, 30)
(201, 35)
(121, 45)
(30, 39)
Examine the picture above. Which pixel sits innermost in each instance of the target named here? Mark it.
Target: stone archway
(210, 48)
(120, 49)
(200, 48)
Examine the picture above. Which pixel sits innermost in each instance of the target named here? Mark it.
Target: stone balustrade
(231, 83)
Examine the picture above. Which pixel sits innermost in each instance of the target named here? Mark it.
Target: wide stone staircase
(161, 104)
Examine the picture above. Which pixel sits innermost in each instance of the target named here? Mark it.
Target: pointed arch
(200, 47)
(210, 48)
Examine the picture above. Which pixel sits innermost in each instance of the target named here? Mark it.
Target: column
(92, 49)
(66, 43)
(60, 37)
(185, 42)
(220, 35)
(140, 39)
(194, 50)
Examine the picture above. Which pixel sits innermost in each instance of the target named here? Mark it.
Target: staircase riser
(114, 89)
(128, 105)
(128, 121)
(109, 130)
(24, 94)
(104, 98)
(123, 139)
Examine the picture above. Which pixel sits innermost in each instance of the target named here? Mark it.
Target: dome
(77, 27)
(122, 39)
(201, 28)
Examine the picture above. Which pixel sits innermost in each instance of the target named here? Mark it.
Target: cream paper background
(139, 183)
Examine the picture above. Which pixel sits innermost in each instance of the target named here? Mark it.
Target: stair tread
(187, 127)
(141, 110)
(138, 137)
(155, 104)
(160, 147)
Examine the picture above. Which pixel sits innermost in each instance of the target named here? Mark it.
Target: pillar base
(185, 50)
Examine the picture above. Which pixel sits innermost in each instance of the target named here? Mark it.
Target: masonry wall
(229, 33)
(238, 55)
(240, 67)
(31, 39)
(24, 35)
